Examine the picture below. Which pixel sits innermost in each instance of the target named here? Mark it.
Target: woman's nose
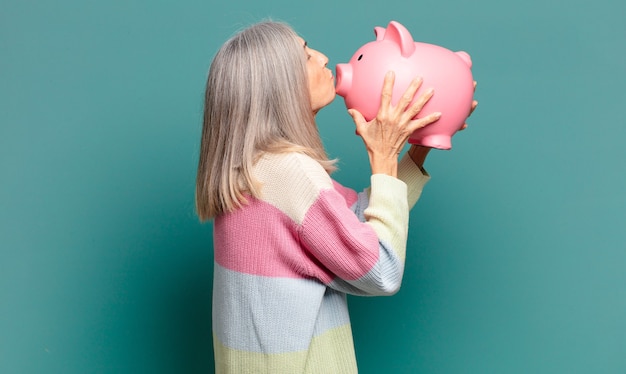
(322, 58)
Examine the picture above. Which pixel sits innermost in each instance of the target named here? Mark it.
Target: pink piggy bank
(360, 81)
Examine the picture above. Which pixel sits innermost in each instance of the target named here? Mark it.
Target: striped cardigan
(285, 262)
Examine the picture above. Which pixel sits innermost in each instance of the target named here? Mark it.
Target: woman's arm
(363, 253)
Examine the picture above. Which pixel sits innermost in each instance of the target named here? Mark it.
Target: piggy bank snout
(343, 79)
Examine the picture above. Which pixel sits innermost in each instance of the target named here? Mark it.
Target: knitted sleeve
(392, 252)
(414, 177)
(365, 258)
(340, 250)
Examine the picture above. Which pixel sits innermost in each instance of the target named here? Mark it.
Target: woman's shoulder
(291, 168)
(291, 182)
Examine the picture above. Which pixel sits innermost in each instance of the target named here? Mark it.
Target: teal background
(517, 250)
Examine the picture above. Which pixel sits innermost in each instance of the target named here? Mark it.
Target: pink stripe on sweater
(258, 239)
(333, 234)
(348, 194)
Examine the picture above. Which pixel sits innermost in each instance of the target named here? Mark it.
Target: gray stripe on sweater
(273, 315)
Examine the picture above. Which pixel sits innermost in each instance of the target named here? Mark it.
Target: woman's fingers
(385, 97)
(358, 119)
(422, 122)
(409, 94)
(474, 105)
(418, 105)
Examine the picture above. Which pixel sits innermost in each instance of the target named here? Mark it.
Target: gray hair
(257, 100)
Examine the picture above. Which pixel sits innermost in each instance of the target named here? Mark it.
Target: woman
(290, 242)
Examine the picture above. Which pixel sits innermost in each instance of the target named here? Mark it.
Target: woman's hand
(386, 135)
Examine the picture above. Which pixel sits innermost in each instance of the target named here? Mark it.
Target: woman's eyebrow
(305, 44)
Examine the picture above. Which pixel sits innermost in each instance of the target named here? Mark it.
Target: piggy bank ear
(379, 32)
(400, 35)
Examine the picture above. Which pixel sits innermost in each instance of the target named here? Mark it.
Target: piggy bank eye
(360, 57)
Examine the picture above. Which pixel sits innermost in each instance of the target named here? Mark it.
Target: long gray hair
(257, 100)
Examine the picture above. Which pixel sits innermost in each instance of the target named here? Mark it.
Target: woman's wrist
(387, 166)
